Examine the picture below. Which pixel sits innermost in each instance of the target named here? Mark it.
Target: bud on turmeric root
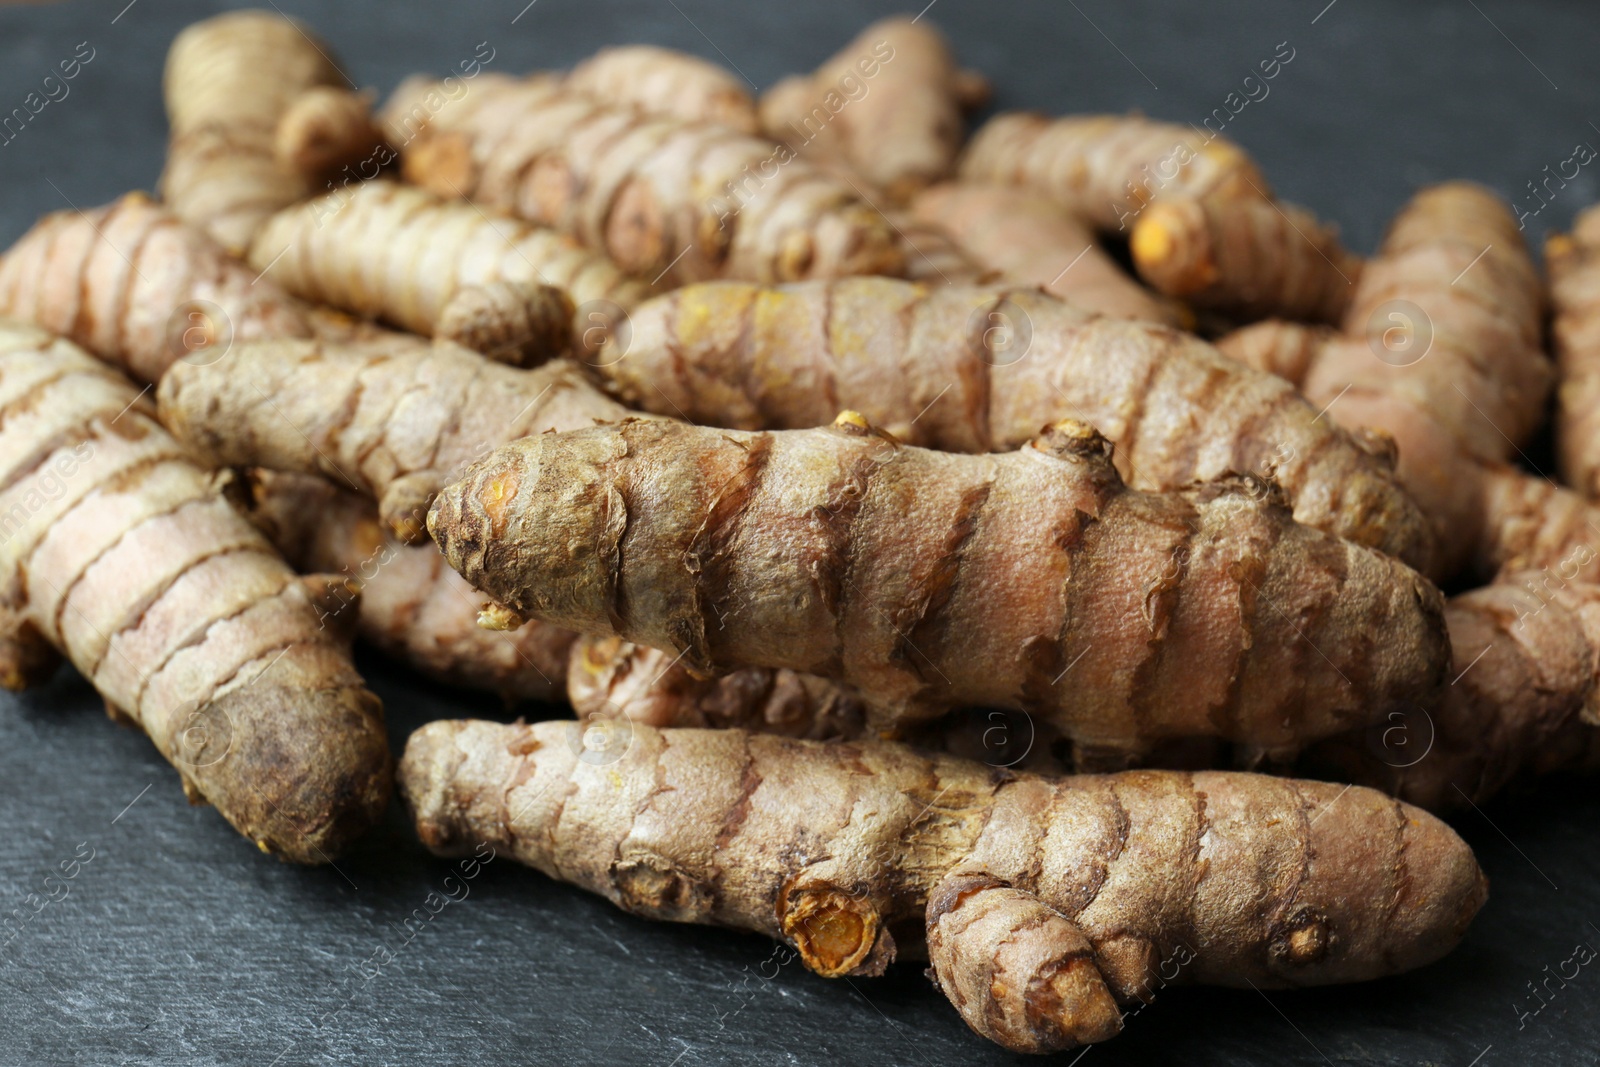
(922, 578)
(396, 253)
(119, 553)
(664, 199)
(888, 106)
(973, 370)
(392, 418)
(229, 82)
(1044, 903)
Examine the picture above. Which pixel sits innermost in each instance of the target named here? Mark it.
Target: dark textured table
(179, 943)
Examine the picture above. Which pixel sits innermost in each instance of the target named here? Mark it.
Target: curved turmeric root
(229, 82)
(413, 606)
(888, 105)
(1249, 257)
(921, 578)
(1045, 903)
(120, 553)
(1028, 239)
(400, 254)
(141, 289)
(665, 199)
(1574, 264)
(1106, 169)
(393, 418)
(973, 370)
(665, 82)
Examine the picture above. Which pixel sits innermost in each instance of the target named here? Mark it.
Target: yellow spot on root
(497, 497)
(498, 617)
(1151, 242)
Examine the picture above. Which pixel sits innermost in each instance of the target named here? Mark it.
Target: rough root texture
(922, 579)
(668, 83)
(1043, 901)
(120, 553)
(1574, 264)
(976, 370)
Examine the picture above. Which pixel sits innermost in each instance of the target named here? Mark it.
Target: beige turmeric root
(1440, 350)
(665, 199)
(413, 606)
(141, 289)
(394, 418)
(923, 578)
(1246, 257)
(402, 255)
(1573, 261)
(973, 370)
(1027, 239)
(1106, 169)
(326, 130)
(120, 553)
(1044, 903)
(229, 82)
(888, 105)
(665, 82)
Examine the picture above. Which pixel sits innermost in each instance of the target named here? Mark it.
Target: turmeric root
(1440, 350)
(1028, 240)
(402, 255)
(141, 289)
(665, 199)
(921, 578)
(119, 552)
(326, 130)
(393, 419)
(888, 105)
(668, 83)
(609, 678)
(1106, 169)
(413, 606)
(972, 370)
(1574, 264)
(1247, 257)
(1044, 904)
(229, 82)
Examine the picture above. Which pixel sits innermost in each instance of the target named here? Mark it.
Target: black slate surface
(178, 943)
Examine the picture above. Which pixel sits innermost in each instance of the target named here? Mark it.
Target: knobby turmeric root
(392, 418)
(1440, 350)
(665, 82)
(1045, 904)
(229, 82)
(141, 289)
(399, 254)
(1027, 239)
(973, 370)
(120, 554)
(921, 578)
(888, 105)
(1247, 257)
(1574, 264)
(413, 606)
(665, 199)
(1106, 169)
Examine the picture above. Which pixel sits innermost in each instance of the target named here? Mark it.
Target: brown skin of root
(977, 370)
(904, 132)
(609, 678)
(1027, 239)
(325, 130)
(229, 81)
(518, 324)
(1219, 878)
(413, 607)
(1247, 257)
(126, 558)
(661, 81)
(1106, 169)
(1573, 261)
(732, 548)
(141, 289)
(703, 201)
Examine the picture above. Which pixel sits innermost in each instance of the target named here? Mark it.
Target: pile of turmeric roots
(779, 433)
